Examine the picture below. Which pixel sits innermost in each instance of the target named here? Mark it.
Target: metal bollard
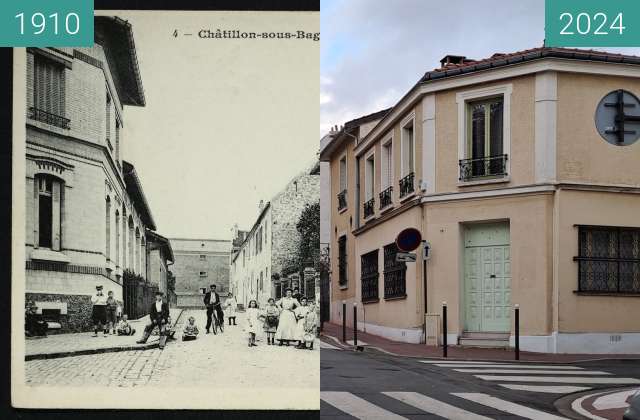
(444, 329)
(517, 327)
(355, 324)
(344, 321)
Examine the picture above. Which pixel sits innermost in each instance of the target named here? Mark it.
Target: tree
(309, 228)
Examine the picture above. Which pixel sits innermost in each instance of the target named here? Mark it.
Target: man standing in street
(159, 316)
(212, 302)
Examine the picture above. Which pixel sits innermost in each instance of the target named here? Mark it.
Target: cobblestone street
(208, 361)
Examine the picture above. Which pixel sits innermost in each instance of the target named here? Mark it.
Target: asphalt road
(375, 385)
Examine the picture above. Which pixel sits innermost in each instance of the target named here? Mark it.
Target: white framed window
(343, 173)
(408, 151)
(369, 176)
(386, 165)
(484, 132)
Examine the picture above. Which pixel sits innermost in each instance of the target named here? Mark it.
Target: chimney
(261, 206)
(450, 59)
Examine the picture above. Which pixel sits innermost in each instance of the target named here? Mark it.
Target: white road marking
(550, 389)
(356, 406)
(461, 362)
(576, 406)
(360, 343)
(496, 366)
(324, 345)
(615, 400)
(535, 371)
(507, 406)
(434, 406)
(559, 380)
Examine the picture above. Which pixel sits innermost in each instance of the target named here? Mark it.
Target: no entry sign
(408, 240)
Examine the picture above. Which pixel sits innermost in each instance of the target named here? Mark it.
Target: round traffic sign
(408, 240)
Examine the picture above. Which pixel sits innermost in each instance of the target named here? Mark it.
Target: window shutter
(55, 211)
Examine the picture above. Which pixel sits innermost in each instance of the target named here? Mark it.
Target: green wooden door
(487, 278)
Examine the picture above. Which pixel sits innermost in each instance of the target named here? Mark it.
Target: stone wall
(286, 209)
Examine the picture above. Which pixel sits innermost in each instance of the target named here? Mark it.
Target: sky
(226, 123)
(374, 51)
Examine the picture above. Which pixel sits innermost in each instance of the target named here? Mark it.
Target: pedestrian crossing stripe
(356, 406)
(534, 371)
(514, 366)
(549, 389)
(362, 409)
(578, 380)
(433, 406)
(507, 406)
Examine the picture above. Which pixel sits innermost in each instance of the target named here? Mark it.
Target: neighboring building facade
(199, 263)
(86, 214)
(159, 259)
(257, 265)
(499, 164)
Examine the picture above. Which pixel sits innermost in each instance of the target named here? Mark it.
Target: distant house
(198, 264)
(257, 264)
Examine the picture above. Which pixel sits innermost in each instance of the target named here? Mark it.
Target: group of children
(286, 321)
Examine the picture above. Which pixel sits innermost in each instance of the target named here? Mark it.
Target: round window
(618, 118)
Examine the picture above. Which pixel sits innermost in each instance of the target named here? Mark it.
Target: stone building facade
(86, 213)
(159, 259)
(198, 264)
(258, 263)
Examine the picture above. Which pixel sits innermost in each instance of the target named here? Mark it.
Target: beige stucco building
(500, 165)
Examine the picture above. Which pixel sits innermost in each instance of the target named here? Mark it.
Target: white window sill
(342, 210)
(45, 254)
(502, 180)
(344, 287)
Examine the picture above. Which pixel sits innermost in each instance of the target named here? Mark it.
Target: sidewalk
(332, 334)
(63, 345)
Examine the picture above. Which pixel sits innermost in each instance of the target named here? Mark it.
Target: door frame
(461, 264)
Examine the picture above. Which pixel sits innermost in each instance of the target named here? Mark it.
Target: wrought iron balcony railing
(49, 118)
(342, 200)
(369, 208)
(484, 167)
(406, 185)
(386, 198)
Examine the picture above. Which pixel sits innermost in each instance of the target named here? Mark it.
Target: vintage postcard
(166, 214)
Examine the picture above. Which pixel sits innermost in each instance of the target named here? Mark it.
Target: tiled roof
(366, 118)
(500, 60)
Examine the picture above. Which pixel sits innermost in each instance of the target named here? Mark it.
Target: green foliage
(309, 228)
(128, 275)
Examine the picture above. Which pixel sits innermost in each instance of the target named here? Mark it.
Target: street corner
(602, 404)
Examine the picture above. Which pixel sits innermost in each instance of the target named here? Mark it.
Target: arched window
(124, 237)
(131, 244)
(48, 191)
(117, 227)
(137, 265)
(108, 229)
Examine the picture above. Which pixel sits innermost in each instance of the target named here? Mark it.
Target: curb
(84, 352)
(381, 350)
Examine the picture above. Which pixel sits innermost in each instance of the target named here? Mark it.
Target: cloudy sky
(374, 51)
(227, 123)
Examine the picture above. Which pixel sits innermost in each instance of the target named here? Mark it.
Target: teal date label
(46, 23)
(592, 23)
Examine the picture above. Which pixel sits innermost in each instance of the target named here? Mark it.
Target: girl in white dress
(230, 308)
(252, 322)
(287, 323)
(301, 313)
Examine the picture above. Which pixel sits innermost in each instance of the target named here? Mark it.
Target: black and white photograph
(166, 214)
